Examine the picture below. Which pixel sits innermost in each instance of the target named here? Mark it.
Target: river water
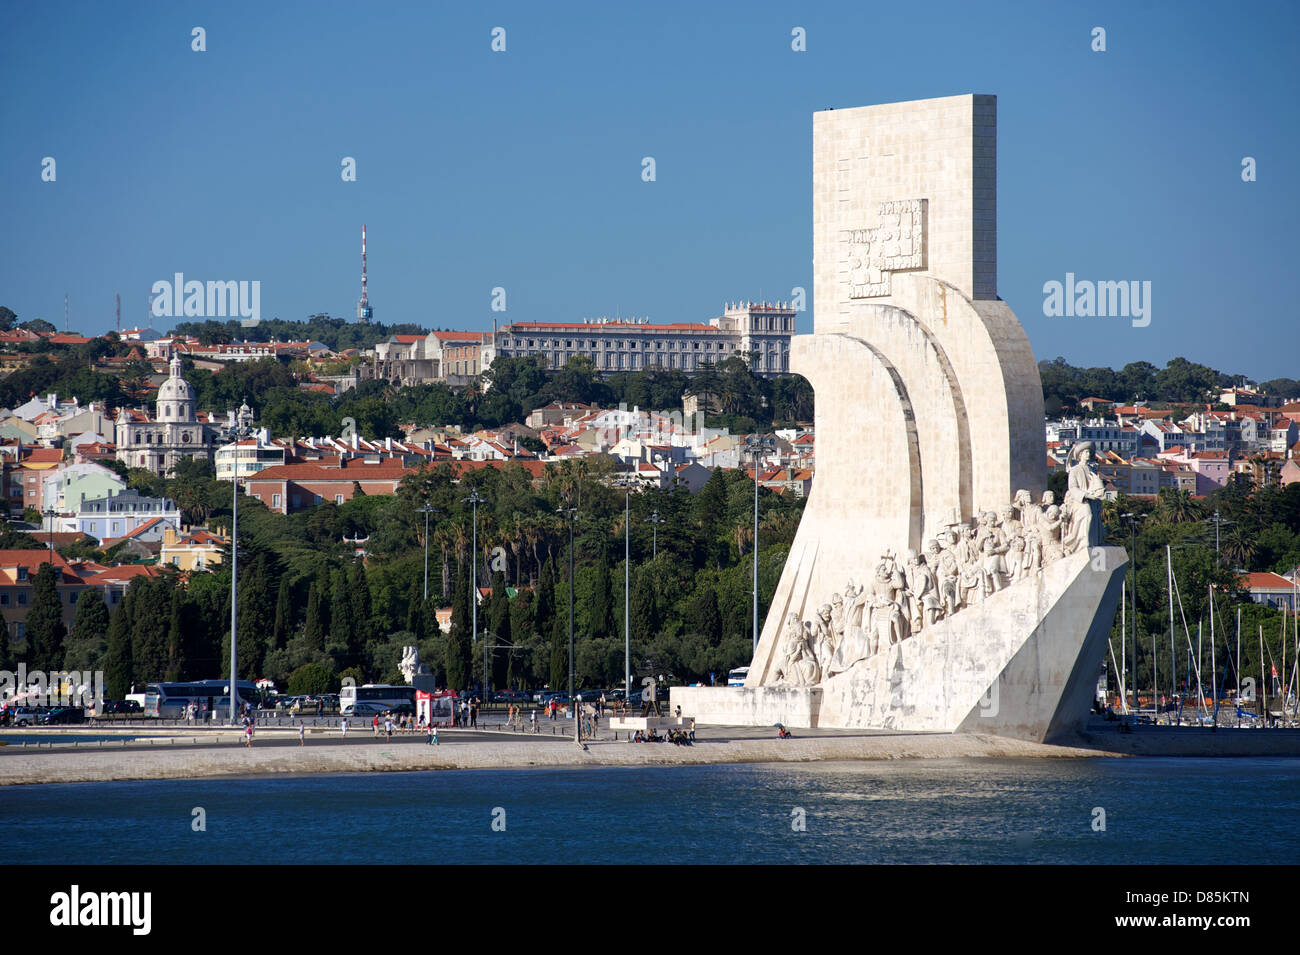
(1208, 811)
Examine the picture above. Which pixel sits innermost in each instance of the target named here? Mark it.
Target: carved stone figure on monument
(888, 625)
(1029, 511)
(922, 592)
(971, 565)
(943, 564)
(1033, 559)
(1015, 560)
(820, 636)
(799, 664)
(1050, 529)
(1009, 526)
(1083, 500)
(994, 567)
(837, 624)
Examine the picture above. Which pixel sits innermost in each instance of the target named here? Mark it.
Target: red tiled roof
(123, 573)
(31, 559)
(201, 538)
(1265, 581)
(592, 327)
(461, 336)
(328, 469)
(43, 456)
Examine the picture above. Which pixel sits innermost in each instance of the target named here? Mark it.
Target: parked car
(28, 715)
(64, 715)
(366, 709)
(121, 707)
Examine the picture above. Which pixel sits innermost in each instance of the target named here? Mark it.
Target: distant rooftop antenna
(364, 311)
(117, 307)
(65, 311)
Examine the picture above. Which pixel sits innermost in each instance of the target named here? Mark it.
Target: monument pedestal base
(1022, 663)
(749, 706)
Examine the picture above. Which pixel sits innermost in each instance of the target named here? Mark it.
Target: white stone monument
(980, 605)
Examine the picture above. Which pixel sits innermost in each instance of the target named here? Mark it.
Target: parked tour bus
(171, 700)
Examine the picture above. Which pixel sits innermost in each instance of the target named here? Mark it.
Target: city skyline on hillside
(519, 178)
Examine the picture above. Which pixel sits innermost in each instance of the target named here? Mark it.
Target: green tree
(282, 629)
(457, 648)
(311, 679)
(644, 618)
(600, 623)
(317, 626)
(176, 636)
(150, 602)
(118, 665)
(341, 633)
(499, 627)
(559, 669)
(45, 629)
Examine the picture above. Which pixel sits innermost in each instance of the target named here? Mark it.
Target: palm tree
(1176, 507)
(1239, 547)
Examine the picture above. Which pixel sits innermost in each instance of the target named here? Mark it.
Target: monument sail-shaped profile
(933, 585)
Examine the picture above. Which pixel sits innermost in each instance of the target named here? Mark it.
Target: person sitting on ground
(782, 732)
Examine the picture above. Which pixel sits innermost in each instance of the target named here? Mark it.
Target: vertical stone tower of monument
(929, 404)
(929, 413)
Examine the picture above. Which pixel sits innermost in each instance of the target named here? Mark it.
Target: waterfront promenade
(97, 755)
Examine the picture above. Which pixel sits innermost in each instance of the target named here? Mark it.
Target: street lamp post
(757, 445)
(570, 513)
(426, 511)
(474, 499)
(240, 430)
(627, 586)
(656, 520)
(49, 514)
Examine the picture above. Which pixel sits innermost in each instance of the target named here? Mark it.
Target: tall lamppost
(570, 513)
(240, 430)
(426, 511)
(757, 444)
(656, 520)
(626, 484)
(49, 514)
(474, 499)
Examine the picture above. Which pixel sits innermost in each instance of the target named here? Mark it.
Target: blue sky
(522, 169)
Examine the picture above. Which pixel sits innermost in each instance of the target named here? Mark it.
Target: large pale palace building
(615, 345)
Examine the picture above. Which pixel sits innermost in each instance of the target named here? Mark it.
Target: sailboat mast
(1237, 668)
(1263, 687)
(1169, 568)
(1200, 693)
(1123, 642)
(1214, 672)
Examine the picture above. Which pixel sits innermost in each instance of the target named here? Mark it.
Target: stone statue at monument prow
(1083, 498)
(411, 667)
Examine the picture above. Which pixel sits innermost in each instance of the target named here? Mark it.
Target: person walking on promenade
(343, 727)
(388, 728)
(248, 733)
(376, 725)
(473, 714)
(302, 733)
